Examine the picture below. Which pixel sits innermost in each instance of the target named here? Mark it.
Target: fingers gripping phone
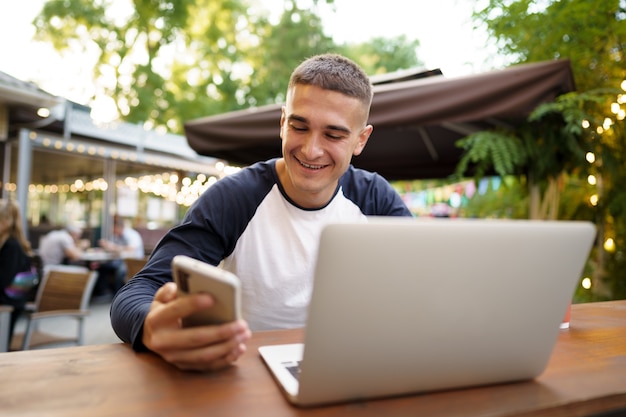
(194, 276)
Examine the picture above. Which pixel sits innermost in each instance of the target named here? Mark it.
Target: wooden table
(586, 375)
(97, 255)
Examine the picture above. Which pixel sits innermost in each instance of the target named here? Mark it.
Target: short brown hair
(336, 73)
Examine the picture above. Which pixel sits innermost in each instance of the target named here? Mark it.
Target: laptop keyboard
(293, 368)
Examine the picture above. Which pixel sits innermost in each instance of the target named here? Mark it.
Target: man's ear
(283, 119)
(363, 138)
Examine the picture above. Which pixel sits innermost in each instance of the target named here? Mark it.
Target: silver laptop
(405, 306)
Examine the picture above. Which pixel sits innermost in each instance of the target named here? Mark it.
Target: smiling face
(320, 130)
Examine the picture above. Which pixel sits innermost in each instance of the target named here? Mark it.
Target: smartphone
(194, 276)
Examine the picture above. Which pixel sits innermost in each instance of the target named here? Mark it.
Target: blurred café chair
(5, 322)
(64, 293)
(134, 265)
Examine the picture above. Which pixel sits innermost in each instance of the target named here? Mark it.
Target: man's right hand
(202, 348)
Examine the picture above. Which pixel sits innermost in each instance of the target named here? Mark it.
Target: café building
(64, 167)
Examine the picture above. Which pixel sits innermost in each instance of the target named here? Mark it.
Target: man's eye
(299, 128)
(334, 136)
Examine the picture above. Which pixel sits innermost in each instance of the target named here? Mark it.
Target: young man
(126, 243)
(62, 246)
(264, 223)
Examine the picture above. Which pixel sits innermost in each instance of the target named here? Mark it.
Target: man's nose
(312, 147)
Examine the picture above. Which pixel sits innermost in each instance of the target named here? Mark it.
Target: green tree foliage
(590, 33)
(164, 62)
(541, 150)
(128, 46)
(384, 55)
(507, 201)
(298, 35)
(501, 152)
(592, 36)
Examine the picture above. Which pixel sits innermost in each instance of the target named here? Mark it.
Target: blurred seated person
(62, 246)
(15, 257)
(126, 243)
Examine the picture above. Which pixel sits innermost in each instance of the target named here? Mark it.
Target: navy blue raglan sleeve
(372, 193)
(209, 232)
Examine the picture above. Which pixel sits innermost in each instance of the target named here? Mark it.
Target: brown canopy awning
(416, 122)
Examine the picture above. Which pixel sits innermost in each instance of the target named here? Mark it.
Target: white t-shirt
(53, 246)
(132, 238)
(288, 276)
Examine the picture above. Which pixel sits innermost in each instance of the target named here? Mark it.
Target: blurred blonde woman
(15, 256)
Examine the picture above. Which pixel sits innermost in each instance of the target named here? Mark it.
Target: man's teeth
(311, 166)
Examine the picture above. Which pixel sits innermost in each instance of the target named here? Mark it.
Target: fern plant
(496, 151)
(546, 145)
